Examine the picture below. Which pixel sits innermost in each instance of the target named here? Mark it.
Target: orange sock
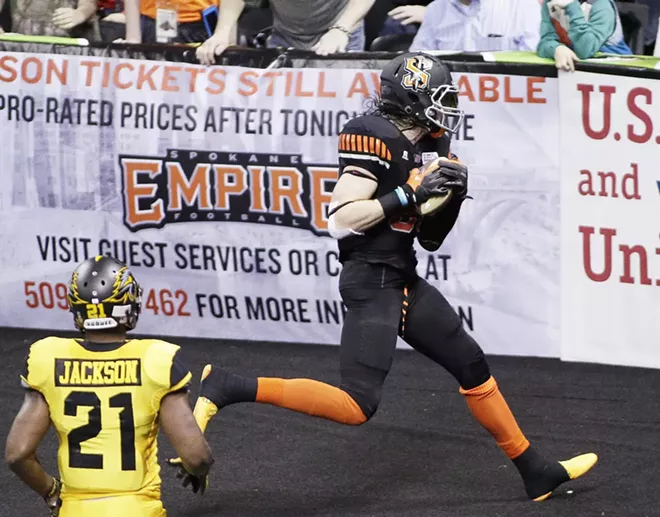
(312, 397)
(491, 410)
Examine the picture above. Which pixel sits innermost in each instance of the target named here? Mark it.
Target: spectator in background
(5, 17)
(64, 18)
(651, 31)
(572, 30)
(186, 20)
(325, 26)
(389, 17)
(479, 25)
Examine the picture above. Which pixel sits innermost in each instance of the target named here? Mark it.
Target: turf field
(422, 455)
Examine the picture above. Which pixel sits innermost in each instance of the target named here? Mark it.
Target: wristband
(393, 201)
(53, 489)
(340, 28)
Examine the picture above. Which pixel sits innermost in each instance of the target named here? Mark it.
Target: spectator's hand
(565, 58)
(115, 18)
(331, 42)
(214, 46)
(67, 18)
(407, 14)
(561, 4)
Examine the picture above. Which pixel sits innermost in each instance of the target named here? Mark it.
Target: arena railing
(516, 63)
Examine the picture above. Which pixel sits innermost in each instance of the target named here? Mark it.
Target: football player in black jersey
(375, 215)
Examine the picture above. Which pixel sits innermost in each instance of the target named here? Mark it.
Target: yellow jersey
(104, 402)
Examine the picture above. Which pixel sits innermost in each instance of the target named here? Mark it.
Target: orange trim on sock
(312, 397)
(493, 413)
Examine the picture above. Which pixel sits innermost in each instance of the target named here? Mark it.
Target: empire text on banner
(213, 185)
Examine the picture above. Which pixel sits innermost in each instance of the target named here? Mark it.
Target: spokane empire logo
(204, 186)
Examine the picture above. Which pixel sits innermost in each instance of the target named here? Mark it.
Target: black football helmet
(422, 86)
(104, 294)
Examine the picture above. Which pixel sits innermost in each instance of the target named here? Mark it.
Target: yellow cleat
(579, 465)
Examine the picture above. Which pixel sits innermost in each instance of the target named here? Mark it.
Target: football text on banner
(610, 220)
(213, 185)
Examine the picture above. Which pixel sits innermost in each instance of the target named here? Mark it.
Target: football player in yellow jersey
(106, 396)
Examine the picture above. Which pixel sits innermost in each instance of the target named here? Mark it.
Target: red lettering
(608, 233)
(634, 177)
(627, 252)
(640, 114)
(607, 91)
(488, 86)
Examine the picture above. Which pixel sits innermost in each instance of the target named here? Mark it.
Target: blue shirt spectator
(479, 25)
(586, 27)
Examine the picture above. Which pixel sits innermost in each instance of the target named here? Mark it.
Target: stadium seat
(634, 19)
(392, 42)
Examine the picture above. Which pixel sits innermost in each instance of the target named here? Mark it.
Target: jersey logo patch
(427, 157)
(405, 155)
(418, 77)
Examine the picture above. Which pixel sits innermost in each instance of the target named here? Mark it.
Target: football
(435, 203)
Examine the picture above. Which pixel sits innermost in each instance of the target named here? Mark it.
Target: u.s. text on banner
(610, 219)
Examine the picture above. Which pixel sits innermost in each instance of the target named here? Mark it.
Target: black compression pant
(382, 304)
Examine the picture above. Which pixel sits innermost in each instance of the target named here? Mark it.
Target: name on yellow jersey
(87, 373)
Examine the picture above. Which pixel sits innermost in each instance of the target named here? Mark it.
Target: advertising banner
(212, 184)
(610, 219)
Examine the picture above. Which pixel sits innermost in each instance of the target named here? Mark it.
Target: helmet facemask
(443, 112)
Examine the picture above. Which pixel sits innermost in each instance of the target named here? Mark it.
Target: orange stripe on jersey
(344, 137)
(365, 144)
(372, 145)
(353, 146)
(359, 143)
(377, 147)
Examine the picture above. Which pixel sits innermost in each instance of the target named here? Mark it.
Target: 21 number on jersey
(89, 399)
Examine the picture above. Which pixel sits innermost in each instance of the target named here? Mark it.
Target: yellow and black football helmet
(104, 294)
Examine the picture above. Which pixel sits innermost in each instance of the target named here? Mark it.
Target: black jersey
(375, 144)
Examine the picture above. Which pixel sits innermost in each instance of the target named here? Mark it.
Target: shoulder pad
(371, 125)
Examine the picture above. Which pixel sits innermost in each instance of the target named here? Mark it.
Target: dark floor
(421, 456)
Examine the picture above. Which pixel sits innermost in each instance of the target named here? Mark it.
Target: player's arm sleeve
(32, 374)
(166, 370)
(360, 149)
(180, 375)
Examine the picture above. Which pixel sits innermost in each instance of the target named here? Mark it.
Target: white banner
(610, 199)
(213, 183)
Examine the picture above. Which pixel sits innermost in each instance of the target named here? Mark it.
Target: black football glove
(456, 177)
(197, 483)
(426, 182)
